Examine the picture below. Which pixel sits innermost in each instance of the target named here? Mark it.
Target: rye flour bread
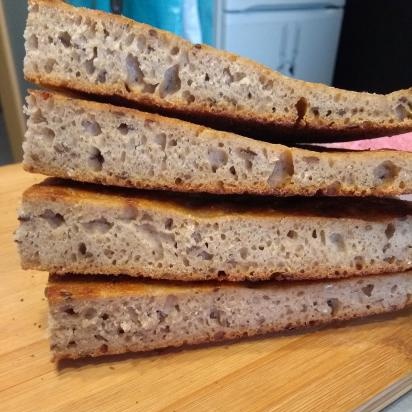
(100, 143)
(86, 229)
(109, 55)
(93, 318)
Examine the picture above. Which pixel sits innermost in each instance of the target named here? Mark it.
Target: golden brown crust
(369, 209)
(64, 288)
(274, 127)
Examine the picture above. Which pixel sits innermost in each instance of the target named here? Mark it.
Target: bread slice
(73, 228)
(100, 143)
(93, 318)
(102, 54)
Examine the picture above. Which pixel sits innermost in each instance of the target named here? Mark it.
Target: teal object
(102, 5)
(92, 4)
(83, 3)
(206, 15)
(164, 14)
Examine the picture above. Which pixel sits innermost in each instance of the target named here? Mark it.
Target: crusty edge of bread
(287, 126)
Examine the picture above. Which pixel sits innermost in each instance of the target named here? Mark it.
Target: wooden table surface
(331, 369)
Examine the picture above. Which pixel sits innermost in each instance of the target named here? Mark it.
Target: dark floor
(5, 153)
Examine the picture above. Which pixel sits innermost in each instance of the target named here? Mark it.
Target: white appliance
(296, 37)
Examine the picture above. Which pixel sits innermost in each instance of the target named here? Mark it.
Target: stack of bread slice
(163, 231)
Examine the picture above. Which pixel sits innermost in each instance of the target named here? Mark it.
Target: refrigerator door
(298, 43)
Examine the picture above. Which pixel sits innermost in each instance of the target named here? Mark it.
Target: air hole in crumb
(91, 127)
(82, 248)
(48, 135)
(53, 219)
(172, 143)
(402, 112)
(207, 78)
(108, 253)
(315, 111)
(221, 274)
(188, 97)
(244, 252)
(334, 305)
(104, 316)
(149, 88)
(205, 255)
(337, 240)
(37, 117)
(283, 170)
(386, 172)
(65, 38)
(123, 128)
(101, 226)
(101, 77)
(238, 76)
(314, 234)
(311, 160)
(301, 108)
(160, 139)
(367, 290)
(390, 230)
(175, 50)
(168, 224)
(89, 66)
(178, 181)
(171, 82)
(134, 73)
(96, 160)
(48, 67)
(129, 39)
(90, 313)
(394, 288)
(247, 155)
(217, 158)
(70, 311)
(196, 236)
(359, 262)
(390, 260)
(292, 234)
(33, 42)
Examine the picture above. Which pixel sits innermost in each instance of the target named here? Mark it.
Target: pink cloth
(399, 142)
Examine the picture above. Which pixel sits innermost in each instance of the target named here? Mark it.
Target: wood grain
(337, 368)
